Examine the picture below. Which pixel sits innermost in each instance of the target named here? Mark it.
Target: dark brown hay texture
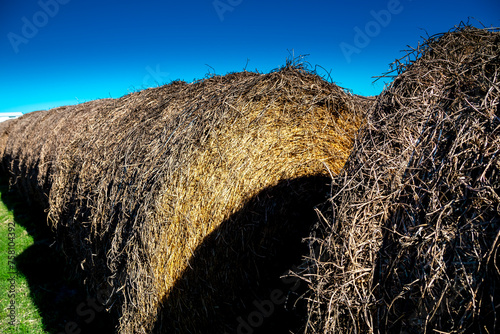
(179, 204)
(409, 240)
(4, 135)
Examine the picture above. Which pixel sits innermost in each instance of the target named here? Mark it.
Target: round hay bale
(182, 205)
(4, 135)
(410, 239)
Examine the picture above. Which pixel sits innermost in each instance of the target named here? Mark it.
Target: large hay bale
(409, 241)
(4, 134)
(183, 204)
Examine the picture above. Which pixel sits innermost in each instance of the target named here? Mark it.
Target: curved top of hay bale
(410, 242)
(4, 134)
(136, 184)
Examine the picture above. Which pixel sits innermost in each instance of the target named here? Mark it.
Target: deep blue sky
(84, 49)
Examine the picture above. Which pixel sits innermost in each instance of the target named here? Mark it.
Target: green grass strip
(22, 316)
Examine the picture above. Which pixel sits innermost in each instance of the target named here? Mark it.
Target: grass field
(48, 299)
(27, 316)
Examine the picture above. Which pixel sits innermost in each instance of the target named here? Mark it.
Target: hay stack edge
(409, 241)
(182, 205)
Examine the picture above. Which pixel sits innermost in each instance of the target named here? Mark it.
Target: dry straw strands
(182, 202)
(409, 242)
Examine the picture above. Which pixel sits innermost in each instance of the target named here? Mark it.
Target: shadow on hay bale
(137, 187)
(410, 239)
(243, 290)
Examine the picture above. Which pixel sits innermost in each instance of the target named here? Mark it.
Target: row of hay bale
(181, 206)
(409, 241)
